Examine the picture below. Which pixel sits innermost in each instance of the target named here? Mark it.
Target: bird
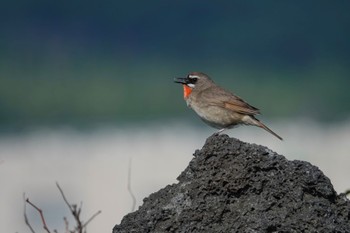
(216, 106)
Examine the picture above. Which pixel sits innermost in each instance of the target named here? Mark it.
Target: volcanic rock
(232, 186)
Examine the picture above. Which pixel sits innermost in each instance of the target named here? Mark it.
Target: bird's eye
(194, 80)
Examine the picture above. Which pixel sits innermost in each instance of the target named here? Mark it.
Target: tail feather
(251, 120)
(261, 125)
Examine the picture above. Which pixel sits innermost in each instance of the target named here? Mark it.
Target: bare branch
(25, 214)
(91, 218)
(129, 186)
(74, 210)
(79, 209)
(64, 197)
(41, 215)
(66, 224)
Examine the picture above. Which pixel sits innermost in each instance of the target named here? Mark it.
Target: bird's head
(194, 81)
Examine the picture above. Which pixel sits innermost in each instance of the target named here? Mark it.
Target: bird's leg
(219, 132)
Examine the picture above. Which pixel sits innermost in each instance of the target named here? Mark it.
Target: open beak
(181, 80)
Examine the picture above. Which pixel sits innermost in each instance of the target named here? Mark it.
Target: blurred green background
(86, 63)
(70, 66)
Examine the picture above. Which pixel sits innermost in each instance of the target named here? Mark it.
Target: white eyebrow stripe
(193, 76)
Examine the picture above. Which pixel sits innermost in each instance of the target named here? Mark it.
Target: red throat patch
(187, 91)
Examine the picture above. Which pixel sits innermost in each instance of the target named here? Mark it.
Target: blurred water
(92, 167)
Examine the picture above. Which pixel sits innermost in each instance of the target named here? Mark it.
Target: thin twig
(66, 224)
(91, 218)
(64, 197)
(74, 210)
(129, 186)
(41, 215)
(25, 214)
(80, 207)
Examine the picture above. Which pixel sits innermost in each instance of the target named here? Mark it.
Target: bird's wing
(225, 99)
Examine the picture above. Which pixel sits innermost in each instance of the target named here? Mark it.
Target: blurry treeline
(83, 62)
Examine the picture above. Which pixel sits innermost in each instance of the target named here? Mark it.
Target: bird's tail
(256, 122)
(261, 125)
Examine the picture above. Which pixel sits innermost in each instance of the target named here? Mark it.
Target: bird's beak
(181, 80)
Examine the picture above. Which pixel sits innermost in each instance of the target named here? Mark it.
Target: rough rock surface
(232, 186)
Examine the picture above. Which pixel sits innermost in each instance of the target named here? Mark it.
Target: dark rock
(232, 186)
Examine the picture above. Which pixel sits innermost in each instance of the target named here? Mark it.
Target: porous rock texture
(232, 186)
